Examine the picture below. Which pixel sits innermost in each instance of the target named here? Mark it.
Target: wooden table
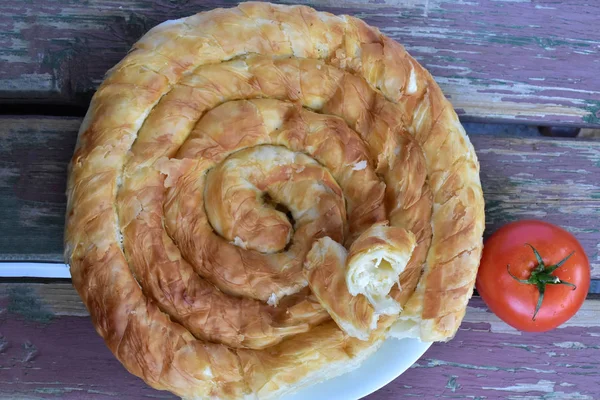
(534, 62)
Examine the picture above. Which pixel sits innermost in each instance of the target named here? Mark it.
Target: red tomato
(514, 299)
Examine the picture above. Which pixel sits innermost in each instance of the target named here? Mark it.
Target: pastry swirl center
(235, 197)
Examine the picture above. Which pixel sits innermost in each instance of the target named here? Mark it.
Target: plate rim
(380, 377)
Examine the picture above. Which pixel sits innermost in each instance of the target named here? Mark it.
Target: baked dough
(214, 156)
(375, 262)
(354, 286)
(326, 271)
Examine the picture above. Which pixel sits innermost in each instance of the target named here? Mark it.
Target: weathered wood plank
(478, 364)
(34, 153)
(44, 301)
(589, 133)
(47, 354)
(554, 180)
(517, 60)
(557, 180)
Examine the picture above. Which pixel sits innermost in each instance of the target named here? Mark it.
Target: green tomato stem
(541, 276)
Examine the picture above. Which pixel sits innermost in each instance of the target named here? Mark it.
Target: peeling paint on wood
(42, 302)
(540, 386)
(23, 301)
(487, 368)
(529, 61)
(554, 180)
(65, 358)
(557, 180)
(34, 153)
(61, 299)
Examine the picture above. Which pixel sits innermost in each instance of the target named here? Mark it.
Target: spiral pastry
(260, 195)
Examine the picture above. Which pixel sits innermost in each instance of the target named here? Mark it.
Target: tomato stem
(541, 276)
(542, 289)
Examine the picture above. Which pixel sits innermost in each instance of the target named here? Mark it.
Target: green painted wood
(34, 153)
(534, 61)
(49, 350)
(557, 180)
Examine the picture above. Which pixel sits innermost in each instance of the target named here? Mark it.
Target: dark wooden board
(34, 153)
(49, 350)
(525, 60)
(557, 180)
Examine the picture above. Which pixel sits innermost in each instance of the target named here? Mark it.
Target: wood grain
(34, 153)
(44, 301)
(557, 180)
(46, 352)
(524, 60)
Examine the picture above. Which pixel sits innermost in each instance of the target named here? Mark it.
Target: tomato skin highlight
(515, 302)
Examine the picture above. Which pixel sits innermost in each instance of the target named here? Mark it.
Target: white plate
(390, 361)
(33, 270)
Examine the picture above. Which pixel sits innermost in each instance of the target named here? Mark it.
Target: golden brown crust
(156, 278)
(326, 271)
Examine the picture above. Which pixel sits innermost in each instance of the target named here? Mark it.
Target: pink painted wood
(525, 60)
(62, 357)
